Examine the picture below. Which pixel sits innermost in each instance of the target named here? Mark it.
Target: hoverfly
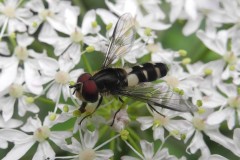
(130, 82)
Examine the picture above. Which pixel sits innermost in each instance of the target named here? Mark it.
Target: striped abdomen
(146, 73)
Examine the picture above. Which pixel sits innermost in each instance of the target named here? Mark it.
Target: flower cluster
(46, 44)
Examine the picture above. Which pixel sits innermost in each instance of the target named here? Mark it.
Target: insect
(130, 82)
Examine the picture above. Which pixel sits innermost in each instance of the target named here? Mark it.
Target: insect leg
(99, 102)
(82, 109)
(115, 114)
(120, 99)
(3, 55)
(155, 110)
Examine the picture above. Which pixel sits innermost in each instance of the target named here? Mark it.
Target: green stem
(133, 134)
(45, 100)
(112, 143)
(133, 143)
(88, 66)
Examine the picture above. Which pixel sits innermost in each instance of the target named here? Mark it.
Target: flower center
(87, 154)
(9, 11)
(42, 133)
(198, 123)
(153, 48)
(21, 53)
(234, 102)
(16, 90)
(62, 77)
(45, 13)
(76, 36)
(230, 58)
(159, 120)
(172, 81)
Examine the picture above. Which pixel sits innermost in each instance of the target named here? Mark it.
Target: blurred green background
(171, 38)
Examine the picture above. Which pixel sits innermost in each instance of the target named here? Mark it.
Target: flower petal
(147, 149)
(8, 108)
(146, 122)
(44, 151)
(12, 123)
(58, 137)
(8, 72)
(18, 150)
(15, 136)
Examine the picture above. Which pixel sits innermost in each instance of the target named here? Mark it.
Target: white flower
(149, 153)
(159, 123)
(194, 12)
(25, 57)
(42, 14)
(178, 78)
(59, 74)
(230, 107)
(85, 148)
(199, 127)
(211, 71)
(109, 19)
(69, 112)
(158, 54)
(13, 95)
(12, 123)
(150, 20)
(72, 45)
(12, 17)
(236, 138)
(218, 43)
(41, 133)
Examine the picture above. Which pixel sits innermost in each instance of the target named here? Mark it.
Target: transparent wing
(122, 39)
(158, 95)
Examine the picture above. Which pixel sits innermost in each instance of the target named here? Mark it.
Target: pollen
(208, 71)
(76, 36)
(109, 26)
(62, 77)
(124, 134)
(29, 100)
(90, 49)
(9, 11)
(172, 81)
(186, 61)
(147, 32)
(21, 53)
(52, 117)
(198, 123)
(65, 108)
(94, 24)
(42, 133)
(182, 53)
(16, 90)
(45, 13)
(87, 154)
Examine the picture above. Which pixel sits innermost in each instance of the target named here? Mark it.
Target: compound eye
(90, 91)
(84, 77)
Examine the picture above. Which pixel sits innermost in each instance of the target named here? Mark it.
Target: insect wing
(158, 95)
(122, 39)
